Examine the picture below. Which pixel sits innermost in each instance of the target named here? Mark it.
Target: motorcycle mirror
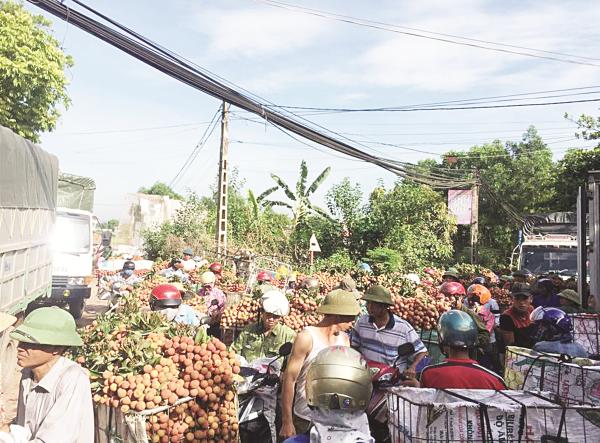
(285, 349)
(406, 349)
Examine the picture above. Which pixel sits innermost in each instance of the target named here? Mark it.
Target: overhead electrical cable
(205, 136)
(171, 65)
(446, 38)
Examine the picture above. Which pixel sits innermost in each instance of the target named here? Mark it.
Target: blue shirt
(381, 345)
(550, 302)
(569, 348)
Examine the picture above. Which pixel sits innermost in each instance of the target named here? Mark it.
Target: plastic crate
(477, 416)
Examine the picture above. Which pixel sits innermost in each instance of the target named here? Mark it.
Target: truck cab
(72, 259)
(549, 253)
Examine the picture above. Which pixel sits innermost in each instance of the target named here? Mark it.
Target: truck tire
(8, 360)
(76, 308)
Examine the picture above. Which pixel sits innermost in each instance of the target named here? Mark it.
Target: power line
(445, 38)
(470, 101)
(111, 131)
(441, 108)
(205, 136)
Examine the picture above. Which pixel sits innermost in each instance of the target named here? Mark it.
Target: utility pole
(474, 218)
(223, 183)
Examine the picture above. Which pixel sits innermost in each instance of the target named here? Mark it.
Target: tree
(111, 224)
(300, 204)
(588, 125)
(519, 175)
(32, 72)
(160, 188)
(571, 173)
(413, 220)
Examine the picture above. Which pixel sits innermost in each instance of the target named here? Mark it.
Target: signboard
(459, 205)
(314, 244)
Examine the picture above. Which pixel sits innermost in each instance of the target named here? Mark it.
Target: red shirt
(460, 374)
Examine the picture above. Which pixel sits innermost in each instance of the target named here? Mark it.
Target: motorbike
(384, 376)
(258, 398)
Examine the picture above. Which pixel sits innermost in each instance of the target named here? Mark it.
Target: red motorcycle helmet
(263, 276)
(453, 288)
(216, 268)
(165, 296)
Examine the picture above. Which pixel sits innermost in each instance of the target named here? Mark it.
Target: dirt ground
(93, 308)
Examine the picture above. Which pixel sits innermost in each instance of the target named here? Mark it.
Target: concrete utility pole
(474, 220)
(223, 182)
(582, 250)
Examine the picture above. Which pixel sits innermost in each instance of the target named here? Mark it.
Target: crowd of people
(471, 335)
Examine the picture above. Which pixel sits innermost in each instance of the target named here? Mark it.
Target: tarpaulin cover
(76, 192)
(552, 223)
(28, 174)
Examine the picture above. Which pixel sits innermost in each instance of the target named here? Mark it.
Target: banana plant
(299, 201)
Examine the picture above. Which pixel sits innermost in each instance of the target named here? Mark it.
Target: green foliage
(571, 173)
(521, 174)
(412, 219)
(187, 229)
(384, 260)
(588, 126)
(160, 188)
(298, 202)
(111, 224)
(339, 262)
(32, 78)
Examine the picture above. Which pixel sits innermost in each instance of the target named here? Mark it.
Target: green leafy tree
(588, 126)
(32, 72)
(299, 201)
(111, 224)
(413, 220)
(571, 173)
(160, 188)
(520, 175)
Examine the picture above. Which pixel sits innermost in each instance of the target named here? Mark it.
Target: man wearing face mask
(127, 277)
(55, 400)
(215, 301)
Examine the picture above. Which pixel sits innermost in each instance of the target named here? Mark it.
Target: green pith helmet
(451, 272)
(338, 379)
(526, 273)
(571, 295)
(48, 326)
(457, 329)
(379, 294)
(339, 302)
(188, 251)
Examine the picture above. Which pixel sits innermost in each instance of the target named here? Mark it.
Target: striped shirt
(381, 344)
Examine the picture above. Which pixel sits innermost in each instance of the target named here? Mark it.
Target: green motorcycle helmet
(48, 326)
(457, 330)
(339, 379)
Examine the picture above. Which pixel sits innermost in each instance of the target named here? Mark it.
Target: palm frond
(254, 205)
(301, 185)
(321, 212)
(284, 187)
(271, 203)
(318, 181)
(266, 193)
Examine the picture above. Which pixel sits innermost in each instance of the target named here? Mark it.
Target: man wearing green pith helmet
(55, 400)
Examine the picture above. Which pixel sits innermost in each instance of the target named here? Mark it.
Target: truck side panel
(28, 184)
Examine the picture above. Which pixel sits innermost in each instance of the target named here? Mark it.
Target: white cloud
(256, 32)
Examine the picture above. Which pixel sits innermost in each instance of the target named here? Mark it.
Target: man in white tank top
(339, 309)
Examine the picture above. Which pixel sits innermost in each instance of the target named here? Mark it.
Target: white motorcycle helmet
(275, 302)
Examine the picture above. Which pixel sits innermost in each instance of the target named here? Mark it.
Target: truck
(28, 198)
(548, 244)
(73, 249)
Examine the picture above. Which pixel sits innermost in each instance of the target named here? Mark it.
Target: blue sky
(130, 125)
